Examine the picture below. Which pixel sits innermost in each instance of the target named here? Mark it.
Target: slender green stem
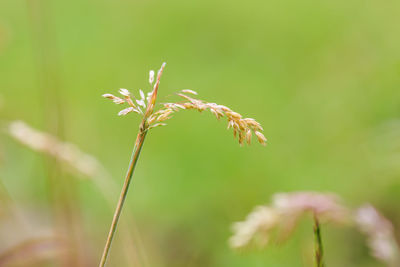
(319, 252)
(135, 155)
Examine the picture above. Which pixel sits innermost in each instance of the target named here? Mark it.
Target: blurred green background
(322, 77)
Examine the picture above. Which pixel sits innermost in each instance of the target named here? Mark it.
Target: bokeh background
(322, 77)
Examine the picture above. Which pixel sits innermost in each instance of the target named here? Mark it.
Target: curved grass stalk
(243, 129)
(134, 158)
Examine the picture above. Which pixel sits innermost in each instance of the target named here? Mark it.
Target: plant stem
(134, 158)
(319, 252)
(65, 210)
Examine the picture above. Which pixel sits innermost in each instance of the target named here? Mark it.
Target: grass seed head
(125, 111)
(114, 98)
(255, 229)
(65, 152)
(243, 128)
(151, 77)
(380, 235)
(188, 91)
(124, 92)
(282, 217)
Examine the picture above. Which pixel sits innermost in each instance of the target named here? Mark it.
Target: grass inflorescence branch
(243, 129)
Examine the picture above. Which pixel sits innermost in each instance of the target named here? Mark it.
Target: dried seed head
(149, 94)
(151, 119)
(261, 138)
(152, 100)
(283, 215)
(118, 101)
(109, 96)
(125, 111)
(124, 92)
(234, 132)
(215, 113)
(248, 137)
(141, 94)
(326, 207)
(151, 76)
(241, 138)
(253, 124)
(157, 124)
(174, 106)
(188, 91)
(163, 117)
(233, 115)
(243, 128)
(141, 103)
(256, 229)
(130, 102)
(67, 153)
(230, 124)
(115, 99)
(380, 235)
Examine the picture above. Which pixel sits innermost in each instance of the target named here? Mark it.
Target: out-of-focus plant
(380, 235)
(75, 161)
(279, 219)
